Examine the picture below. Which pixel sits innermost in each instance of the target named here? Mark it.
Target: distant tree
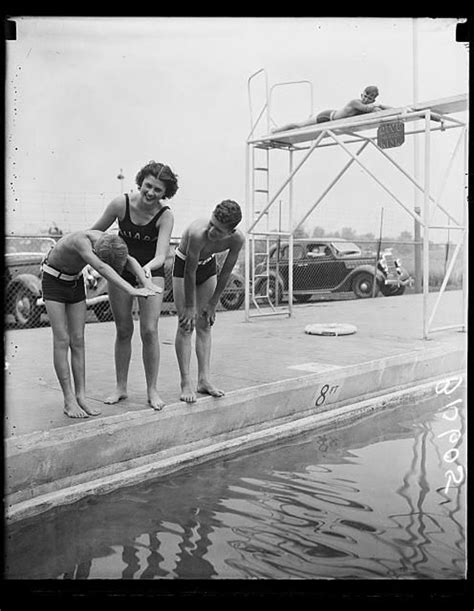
(405, 236)
(318, 232)
(300, 233)
(348, 233)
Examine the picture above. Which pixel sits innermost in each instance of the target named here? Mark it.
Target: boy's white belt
(202, 262)
(59, 275)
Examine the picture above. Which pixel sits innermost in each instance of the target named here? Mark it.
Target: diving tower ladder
(263, 292)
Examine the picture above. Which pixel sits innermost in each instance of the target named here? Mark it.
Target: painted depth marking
(314, 367)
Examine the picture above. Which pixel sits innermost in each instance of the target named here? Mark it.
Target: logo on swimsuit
(137, 236)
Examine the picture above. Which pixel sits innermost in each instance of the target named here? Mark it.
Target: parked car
(23, 256)
(329, 265)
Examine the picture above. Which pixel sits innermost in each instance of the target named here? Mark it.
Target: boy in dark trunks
(197, 290)
(354, 107)
(65, 301)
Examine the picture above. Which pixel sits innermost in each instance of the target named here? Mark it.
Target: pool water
(382, 498)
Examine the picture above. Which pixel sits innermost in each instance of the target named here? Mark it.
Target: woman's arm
(163, 242)
(110, 214)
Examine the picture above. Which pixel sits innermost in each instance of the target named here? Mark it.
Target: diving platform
(308, 130)
(380, 131)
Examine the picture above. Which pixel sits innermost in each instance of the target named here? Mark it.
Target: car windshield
(28, 244)
(346, 248)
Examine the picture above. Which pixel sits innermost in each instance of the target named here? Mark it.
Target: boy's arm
(110, 214)
(162, 244)
(140, 273)
(190, 266)
(229, 263)
(362, 108)
(84, 249)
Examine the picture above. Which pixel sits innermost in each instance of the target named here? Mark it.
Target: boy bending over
(197, 289)
(65, 300)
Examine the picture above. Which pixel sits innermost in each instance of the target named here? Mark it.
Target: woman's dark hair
(228, 213)
(161, 171)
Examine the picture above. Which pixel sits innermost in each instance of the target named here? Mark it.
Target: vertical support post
(426, 225)
(290, 241)
(247, 235)
(416, 165)
(465, 221)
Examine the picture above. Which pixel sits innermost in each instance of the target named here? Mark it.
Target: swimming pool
(382, 498)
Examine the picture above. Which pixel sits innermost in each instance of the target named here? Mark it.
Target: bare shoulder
(167, 215)
(238, 238)
(196, 231)
(85, 239)
(117, 205)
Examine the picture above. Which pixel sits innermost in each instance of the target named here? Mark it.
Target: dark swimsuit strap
(158, 214)
(128, 217)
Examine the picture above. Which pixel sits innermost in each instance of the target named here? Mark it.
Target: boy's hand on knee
(187, 319)
(209, 313)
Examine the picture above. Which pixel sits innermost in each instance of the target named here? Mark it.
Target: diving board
(305, 131)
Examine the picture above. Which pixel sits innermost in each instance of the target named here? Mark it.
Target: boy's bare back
(66, 254)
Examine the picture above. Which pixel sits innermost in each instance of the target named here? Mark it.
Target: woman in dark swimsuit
(146, 225)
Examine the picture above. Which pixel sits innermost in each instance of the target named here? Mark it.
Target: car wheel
(269, 287)
(103, 311)
(232, 299)
(24, 308)
(302, 298)
(362, 285)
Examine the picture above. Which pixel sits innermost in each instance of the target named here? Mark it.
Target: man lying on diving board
(354, 107)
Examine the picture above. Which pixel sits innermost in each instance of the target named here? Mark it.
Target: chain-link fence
(327, 268)
(323, 269)
(24, 306)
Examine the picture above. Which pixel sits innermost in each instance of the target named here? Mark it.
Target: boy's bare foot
(72, 409)
(115, 397)
(187, 394)
(92, 411)
(209, 389)
(155, 401)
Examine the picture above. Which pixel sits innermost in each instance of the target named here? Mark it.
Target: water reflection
(366, 501)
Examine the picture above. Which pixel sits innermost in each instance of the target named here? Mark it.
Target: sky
(87, 98)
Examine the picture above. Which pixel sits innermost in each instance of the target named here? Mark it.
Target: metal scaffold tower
(308, 136)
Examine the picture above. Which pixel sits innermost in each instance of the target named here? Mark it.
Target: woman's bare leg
(121, 304)
(150, 310)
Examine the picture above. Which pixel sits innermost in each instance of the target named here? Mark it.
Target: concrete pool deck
(278, 381)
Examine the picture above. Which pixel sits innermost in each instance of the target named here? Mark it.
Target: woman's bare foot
(209, 389)
(155, 401)
(187, 394)
(72, 409)
(92, 411)
(116, 396)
